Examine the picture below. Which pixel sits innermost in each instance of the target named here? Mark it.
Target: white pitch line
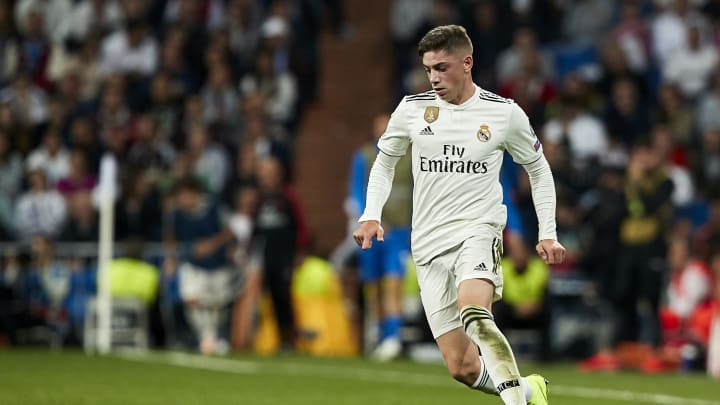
(388, 376)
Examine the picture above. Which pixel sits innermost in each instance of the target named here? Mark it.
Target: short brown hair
(448, 38)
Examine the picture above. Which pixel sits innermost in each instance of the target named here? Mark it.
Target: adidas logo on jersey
(427, 131)
(481, 267)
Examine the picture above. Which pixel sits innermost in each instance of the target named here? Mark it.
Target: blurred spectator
(676, 169)
(131, 50)
(626, 115)
(641, 268)
(406, 19)
(569, 231)
(632, 35)
(488, 26)
(165, 108)
(243, 173)
(692, 64)
(54, 17)
(34, 45)
(189, 18)
(87, 67)
(184, 77)
(138, 212)
(529, 86)
(209, 160)
(207, 281)
(94, 17)
(690, 287)
(11, 171)
(705, 164)
(49, 284)
(113, 112)
(280, 233)
(220, 99)
(707, 237)
(510, 61)
(79, 178)
(242, 22)
(525, 299)
(241, 223)
(669, 29)
(9, 52)
(584, 134)
(707, 112)
(259, 134)
(279, 89)
(586, 20)
(672, 111)
(27, 102)
(149, 151)
(51, 157)
(83, 137)
(82, 223)
(605, 208)
(40, 210)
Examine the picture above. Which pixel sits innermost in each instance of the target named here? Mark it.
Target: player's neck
(467, 92)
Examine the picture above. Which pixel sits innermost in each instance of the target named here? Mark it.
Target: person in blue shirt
(207, 280)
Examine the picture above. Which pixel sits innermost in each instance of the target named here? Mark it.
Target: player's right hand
(366, 232)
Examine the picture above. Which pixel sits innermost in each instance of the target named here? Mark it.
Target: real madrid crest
(431, 114)
(483, 134)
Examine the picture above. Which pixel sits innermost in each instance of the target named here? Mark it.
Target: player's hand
(551, 251)
(368, 230)
(204, 248)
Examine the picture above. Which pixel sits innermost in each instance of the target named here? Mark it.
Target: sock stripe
(485, 377)
(470, 320)
(474, 311)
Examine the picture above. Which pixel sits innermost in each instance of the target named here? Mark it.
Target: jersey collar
(468, 103)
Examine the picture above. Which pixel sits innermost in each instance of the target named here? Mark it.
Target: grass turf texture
(42, 377)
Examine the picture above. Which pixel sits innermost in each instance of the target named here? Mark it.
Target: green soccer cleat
(539, 386)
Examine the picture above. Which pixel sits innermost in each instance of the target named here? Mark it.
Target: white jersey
(457, 153)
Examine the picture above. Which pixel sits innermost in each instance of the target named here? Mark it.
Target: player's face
(448, 73)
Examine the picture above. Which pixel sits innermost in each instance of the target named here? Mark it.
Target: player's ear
(467, 63)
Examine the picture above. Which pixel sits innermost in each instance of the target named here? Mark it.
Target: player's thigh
(439, 294)
(396, 250)
(478, 272)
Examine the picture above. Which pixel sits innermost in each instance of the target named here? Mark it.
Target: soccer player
(459, 133)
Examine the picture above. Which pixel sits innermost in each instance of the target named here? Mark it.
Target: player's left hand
(551, 251)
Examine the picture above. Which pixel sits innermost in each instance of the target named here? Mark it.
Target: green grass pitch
(41, 377)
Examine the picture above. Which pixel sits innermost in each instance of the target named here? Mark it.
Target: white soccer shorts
(476, 258)
(209, 288)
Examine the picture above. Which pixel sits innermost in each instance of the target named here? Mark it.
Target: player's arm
(393, 145)
(526, 150)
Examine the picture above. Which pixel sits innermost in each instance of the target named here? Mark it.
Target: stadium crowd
(207, 96)
(188, 95)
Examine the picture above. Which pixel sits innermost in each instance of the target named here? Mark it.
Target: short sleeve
(521, 141)
(396, 138)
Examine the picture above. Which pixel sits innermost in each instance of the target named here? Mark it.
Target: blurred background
(239, 129)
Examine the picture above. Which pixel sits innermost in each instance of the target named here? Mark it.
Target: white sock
(501, 366)
(485, 384)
